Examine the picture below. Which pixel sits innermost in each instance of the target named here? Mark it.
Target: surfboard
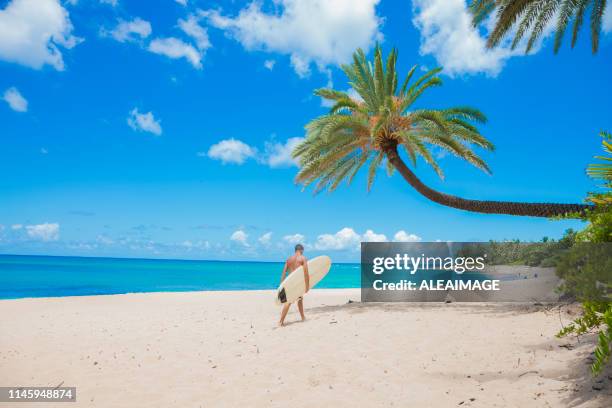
(293, 286)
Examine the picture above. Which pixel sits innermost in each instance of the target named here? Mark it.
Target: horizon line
(148, 259)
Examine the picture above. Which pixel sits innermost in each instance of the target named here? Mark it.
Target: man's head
(299, 248)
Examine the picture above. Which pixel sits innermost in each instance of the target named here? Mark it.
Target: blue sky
(163, 130)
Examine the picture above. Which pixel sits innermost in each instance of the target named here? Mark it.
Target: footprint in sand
(313, 382)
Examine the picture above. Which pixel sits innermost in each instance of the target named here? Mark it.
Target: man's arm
(284, 272)
(306, 275)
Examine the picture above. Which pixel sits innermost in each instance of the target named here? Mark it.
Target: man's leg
(284, 314)
(301, 308)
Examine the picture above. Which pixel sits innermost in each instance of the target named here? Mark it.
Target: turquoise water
(46, 276)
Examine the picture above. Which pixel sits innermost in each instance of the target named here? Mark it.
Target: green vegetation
(595, 315)
(530, 17)
(603, 171)
(546, 253)
(369, 128)
(587, 274)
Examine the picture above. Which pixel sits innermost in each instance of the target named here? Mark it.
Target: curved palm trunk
(481, 206)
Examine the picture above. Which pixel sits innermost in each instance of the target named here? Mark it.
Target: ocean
(50, 276)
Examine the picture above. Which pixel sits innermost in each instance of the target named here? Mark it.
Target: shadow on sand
(499, 309)
(583, 387)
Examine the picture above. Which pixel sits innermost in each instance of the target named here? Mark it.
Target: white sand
(223, 349)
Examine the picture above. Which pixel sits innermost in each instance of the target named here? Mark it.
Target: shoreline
(270, 291)
(177, 349)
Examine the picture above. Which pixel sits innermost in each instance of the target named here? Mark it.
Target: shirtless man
(295, 261)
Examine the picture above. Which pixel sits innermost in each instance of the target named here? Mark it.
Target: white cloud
(344, 239)
(187, 244)
(171, 47)
(371, 236)
(32, 32)
(279, 154)
(193, 29)
(403, 236)
(110, 2)
(131, 30)
(15, 100)
(347, 238)
(269, 64)
(174, 48)
(310, 31)
(181, 2)
(241, 237)
(447, 34)
(265, 238)
(43, 232)
(16, 227)
(294, 239)
(606, 24)
(439, 153)
(300, 65)
(105, 240)
(191, 245)
(144, 122)
(231, 151)
(327, 103)
(275, 154)
(354, 94)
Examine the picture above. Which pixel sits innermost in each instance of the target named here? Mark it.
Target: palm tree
(534, 15)
(603, 171)
(368, 128)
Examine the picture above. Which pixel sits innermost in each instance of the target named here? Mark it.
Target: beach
(210, 349)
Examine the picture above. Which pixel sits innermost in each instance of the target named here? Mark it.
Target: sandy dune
(223, 349)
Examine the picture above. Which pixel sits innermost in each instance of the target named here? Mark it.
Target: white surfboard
(293, 286)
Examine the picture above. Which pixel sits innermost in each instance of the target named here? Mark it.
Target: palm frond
(407, 80)
(373, 167)
(411, 141)
(466, 113)
(528, 19)
(531, 17)
(597, 12)
(481, 10)
(580, 9)
(432, 117)
(565, 16)
(603, 171)
(363, 159)
(507, 15)
(331, 94)
(549, 8)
